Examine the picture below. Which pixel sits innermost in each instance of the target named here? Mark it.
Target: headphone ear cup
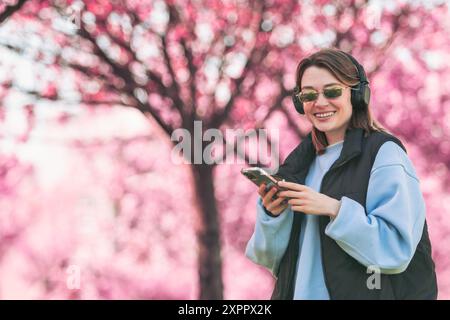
(297, 103)
(356, 97)
(361, 96)
(366, 95)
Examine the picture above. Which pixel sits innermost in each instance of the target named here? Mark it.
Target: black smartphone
(259, 176)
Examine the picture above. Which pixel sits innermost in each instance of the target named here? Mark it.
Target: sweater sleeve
(386, 233)
(270, 238)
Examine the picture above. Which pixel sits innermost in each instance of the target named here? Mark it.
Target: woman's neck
(338, 142)
(337, 134)
(335, 138)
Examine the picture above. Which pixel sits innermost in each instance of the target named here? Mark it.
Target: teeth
(324, 115)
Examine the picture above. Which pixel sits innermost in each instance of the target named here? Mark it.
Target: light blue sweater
(385, 237)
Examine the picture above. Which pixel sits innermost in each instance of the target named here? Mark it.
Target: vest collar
(352, 147)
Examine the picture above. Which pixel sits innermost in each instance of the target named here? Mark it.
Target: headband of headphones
(361, 73)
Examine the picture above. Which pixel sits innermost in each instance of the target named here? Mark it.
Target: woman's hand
(276, 206)
(306, 200)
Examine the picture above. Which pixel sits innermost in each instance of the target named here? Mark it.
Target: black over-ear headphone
(359, 98)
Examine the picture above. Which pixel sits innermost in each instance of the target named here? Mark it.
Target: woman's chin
(324, 127)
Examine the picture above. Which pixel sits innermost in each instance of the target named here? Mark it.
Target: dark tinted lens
(332, 92)
(308, 96)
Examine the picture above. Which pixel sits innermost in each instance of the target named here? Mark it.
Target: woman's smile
(324, 116)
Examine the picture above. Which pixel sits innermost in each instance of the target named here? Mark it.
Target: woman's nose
(321, 100)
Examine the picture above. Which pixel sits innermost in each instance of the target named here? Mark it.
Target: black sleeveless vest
(346, 278)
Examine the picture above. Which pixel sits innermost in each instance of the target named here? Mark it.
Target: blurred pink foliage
(97, 189)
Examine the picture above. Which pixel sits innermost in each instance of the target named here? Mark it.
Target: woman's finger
(277, 202)
(291, 194)
(268, 197)
(281, 207)
(298, 208)
(292, 186)
(262, 190)
(296, 202)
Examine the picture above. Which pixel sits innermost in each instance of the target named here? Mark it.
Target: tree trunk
(208, 234)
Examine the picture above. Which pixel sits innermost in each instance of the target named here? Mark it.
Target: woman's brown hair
(342, 67)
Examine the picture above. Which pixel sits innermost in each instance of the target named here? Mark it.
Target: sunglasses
(309, 95)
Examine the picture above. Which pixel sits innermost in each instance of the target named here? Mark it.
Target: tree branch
(192, 71)
(174, 86)
(56, 98)
(172, 94)
(10, 10)
(119, 70)
(219, 117)
(126, 75)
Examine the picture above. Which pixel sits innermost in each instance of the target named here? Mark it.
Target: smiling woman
(345, 93)
(329, 113)
(354, 201)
